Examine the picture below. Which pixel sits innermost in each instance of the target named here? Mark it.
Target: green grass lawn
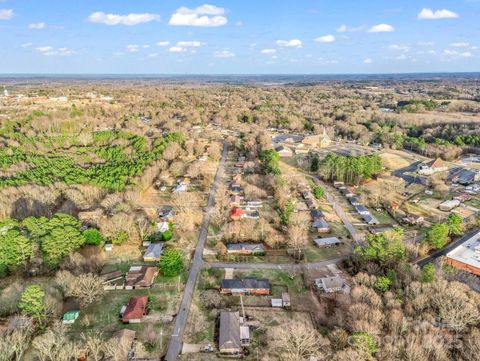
(314, 253)
(103, 315)
(474, 202)
(383, 217)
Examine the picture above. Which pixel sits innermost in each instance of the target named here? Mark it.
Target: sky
(239, 36)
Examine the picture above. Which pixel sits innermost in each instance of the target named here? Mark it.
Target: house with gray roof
(246, 248)
(370, 219)
(153, 252)
(233, 334)
(245, 286)
(327, 242)
(321, 226)
(361, 209)
(331, 284)
(466, 176)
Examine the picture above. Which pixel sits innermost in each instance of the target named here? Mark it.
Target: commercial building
(466, 256)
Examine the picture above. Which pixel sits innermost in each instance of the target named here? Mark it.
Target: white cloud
(239, 23)
(402, 57)
(190, 44)
(429, 14)
(325, 39)
(205, 15)
(100, 17)
(43, 49)
(381, 28)
(224, 54)
(268, 51)
(37, 26)
(6, 14)
(465, 54)
(152, 55)
(163, 43)
(176, 49)
(132, 48)
(460, 45)
(290, 43)
(368, 61)
(51, 51)
(349, 29)
(426, 43)
(399, 47)
(27, 45)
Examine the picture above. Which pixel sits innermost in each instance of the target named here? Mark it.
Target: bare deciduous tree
(86, 287)
(296, 342)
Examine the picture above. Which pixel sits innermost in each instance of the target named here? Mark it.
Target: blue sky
(239, 37)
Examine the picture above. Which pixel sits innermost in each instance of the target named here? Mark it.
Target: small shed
(277, 302)
(70, 316)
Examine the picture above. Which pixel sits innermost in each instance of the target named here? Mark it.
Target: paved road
(412, 168)
(340, 212)
(442, 252)
(275, 266)
(337, 208)
(175, 344)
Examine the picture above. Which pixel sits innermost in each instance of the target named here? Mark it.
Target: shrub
(171, 262)
(382, 284)
(365, 342)
(318, 192)
(121, 237)
(167, 235)
(428, 273)
(93, 237)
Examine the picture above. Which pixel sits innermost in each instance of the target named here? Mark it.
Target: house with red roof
(237, 213)
(136, 309)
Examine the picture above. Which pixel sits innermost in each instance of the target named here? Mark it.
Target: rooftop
(136, 308)
(327, 241)
(246, 246)
(155, 250)
(247, 282)
(468, 252)
(229, 335)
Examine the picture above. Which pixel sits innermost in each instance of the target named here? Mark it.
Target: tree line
(350, 169)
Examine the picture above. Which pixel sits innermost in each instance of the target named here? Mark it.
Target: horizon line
(241, 74)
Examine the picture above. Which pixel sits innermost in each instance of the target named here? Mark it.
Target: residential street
(175, 344)
(339, 211)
